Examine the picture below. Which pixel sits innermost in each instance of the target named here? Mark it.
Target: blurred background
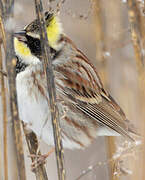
(101, 30)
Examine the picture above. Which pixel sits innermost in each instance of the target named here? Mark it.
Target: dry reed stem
(16, 127)
(101, 61)
(133, 14)
(111, 151)
(1, 8)
(99, 33)
(125, 150)
(4, 104)
(138, 34)
(32, 143)
(3, 33)
(40, 172)
(1, 165)
(10, 65)
(51, 90)
(140, 6)
(3, 72)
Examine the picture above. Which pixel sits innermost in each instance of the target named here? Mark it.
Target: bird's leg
(39, 159)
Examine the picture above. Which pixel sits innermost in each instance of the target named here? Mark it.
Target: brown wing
(83, 88)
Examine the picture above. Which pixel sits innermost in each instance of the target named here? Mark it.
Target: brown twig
(32, 143)
(1, 8)
(10, 65)
(51, 89)
(138, 37)
(125, 150)
(1, 165)
(135, 23)
(3, 72)
(101, 62)
(133, 14)
(4, 105)
(111, 150)
(3, 33)
(141, 16)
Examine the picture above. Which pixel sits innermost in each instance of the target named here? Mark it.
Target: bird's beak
(21, 36)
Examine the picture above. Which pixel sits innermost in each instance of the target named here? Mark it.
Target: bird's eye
(48, 15)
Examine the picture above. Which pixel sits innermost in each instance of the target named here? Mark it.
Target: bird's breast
(33, 100)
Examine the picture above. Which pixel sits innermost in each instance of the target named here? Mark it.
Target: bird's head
(27, 44)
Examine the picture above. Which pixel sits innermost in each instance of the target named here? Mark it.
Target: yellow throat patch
(21, 48)
(53, 32)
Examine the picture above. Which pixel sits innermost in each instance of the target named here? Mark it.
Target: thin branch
(124, 151)
(138, 37)
(10, 65)
(51, 89)
(101, 61)
(2, 32)
(7, 8)
(111, 151)
(141, 16)
(135, 33)
(3, 72)
(4, 104)
(1, 164)
(1, 8)
(32, 143)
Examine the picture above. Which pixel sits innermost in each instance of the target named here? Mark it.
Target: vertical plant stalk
(111, 151)
(1, 7)
(138, 34)
(133, 14)
(4, 104)
(47, 64)
(32, 143)
(100, 41)
(10, 65)
(141, 20)
(2, 33)
(101, 62)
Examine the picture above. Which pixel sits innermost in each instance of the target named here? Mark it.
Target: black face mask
(35, 46)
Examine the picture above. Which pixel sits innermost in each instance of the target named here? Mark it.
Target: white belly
(33, 107)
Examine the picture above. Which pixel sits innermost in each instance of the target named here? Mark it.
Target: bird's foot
(39, 160)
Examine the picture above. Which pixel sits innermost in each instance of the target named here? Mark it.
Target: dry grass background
(105, 37)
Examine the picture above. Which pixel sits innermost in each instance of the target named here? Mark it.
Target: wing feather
(78, 81)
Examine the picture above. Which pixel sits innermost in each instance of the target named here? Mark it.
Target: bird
(86, 109)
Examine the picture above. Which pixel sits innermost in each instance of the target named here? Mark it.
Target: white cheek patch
(33, 35)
